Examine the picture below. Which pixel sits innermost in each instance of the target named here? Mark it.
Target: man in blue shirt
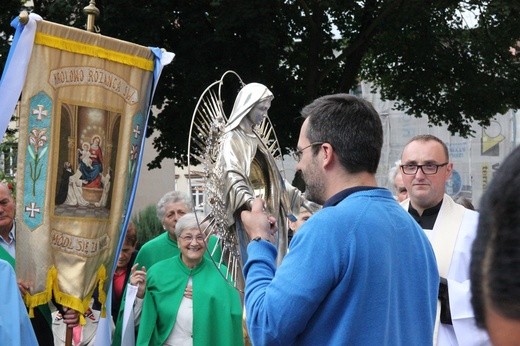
(360, 271)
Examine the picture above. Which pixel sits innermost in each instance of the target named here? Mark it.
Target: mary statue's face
(259, 111)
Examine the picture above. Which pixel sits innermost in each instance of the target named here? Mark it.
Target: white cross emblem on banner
(40, 112)
(32, 209)
(136, 131)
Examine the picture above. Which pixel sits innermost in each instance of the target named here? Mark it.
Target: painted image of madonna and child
(91, 163)
(87, 185)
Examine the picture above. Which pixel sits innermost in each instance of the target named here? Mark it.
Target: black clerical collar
(428, 217)
(345, 193)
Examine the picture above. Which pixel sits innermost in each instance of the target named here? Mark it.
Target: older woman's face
(192, 245)
(173, 211)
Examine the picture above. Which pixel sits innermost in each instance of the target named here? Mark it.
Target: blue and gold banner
(83, 115)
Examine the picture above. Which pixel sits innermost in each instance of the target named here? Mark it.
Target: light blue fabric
(361, 272)
(104, 333)
(15, 326)
(15, 70)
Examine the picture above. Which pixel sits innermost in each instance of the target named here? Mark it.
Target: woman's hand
(138, 278)
(188, 292)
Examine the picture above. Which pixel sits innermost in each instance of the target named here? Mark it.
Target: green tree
(8, 10)
(147, 224)
(420, 52)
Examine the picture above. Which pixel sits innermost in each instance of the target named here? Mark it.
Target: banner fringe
(32, 301)
(52, 288)
(102, 275)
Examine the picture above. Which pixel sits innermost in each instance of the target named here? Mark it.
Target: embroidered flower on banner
(133, 152)
(37, 140)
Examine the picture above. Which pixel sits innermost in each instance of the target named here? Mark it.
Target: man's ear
(328, 153)
(449, 170)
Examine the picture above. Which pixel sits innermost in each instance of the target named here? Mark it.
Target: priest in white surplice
(451, 229)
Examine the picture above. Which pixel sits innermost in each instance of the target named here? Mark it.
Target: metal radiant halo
(206, 129)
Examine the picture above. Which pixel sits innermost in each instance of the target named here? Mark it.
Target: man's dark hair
(131, 234)
(495, 256)
(427, 138)
(351, 126)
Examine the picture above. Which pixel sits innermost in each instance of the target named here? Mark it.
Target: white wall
(153, 184)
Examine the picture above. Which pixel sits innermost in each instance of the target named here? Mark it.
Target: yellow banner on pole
(83, 115)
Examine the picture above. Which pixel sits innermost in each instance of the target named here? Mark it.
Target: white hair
(392, 172)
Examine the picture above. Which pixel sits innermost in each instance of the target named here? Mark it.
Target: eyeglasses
(297, 154)
(189, 238)
(427, 169)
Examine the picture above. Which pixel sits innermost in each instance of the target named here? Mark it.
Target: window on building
(198, 193)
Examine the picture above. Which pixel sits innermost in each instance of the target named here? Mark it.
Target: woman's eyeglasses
(189, 238)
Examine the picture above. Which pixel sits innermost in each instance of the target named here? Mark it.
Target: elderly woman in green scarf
(188, 301)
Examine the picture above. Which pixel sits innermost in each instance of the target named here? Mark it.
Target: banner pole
(68, 336)
(92, 12)
(23, 17)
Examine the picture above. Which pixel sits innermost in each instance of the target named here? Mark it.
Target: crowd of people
(368, 268)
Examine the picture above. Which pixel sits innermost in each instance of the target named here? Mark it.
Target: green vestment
(217, 310)
(6, 256)
(163, 247)
(156, 250)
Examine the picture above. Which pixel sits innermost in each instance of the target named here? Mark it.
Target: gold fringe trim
(32, 301)
(51, 287)
(94, 51)
(102, 275)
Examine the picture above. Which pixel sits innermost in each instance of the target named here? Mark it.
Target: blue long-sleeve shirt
(359, 272)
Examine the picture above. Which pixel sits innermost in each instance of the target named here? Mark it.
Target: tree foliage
(423, 53)
(454, 74)
(9, 9)
(147, 224)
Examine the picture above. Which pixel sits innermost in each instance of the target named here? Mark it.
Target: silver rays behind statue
(251, 171)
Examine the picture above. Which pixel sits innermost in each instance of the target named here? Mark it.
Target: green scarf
(217, 311)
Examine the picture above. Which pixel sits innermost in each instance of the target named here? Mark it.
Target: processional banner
(83, 115)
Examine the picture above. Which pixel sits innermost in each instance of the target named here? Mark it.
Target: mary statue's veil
(211, 128)
(247, 98)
